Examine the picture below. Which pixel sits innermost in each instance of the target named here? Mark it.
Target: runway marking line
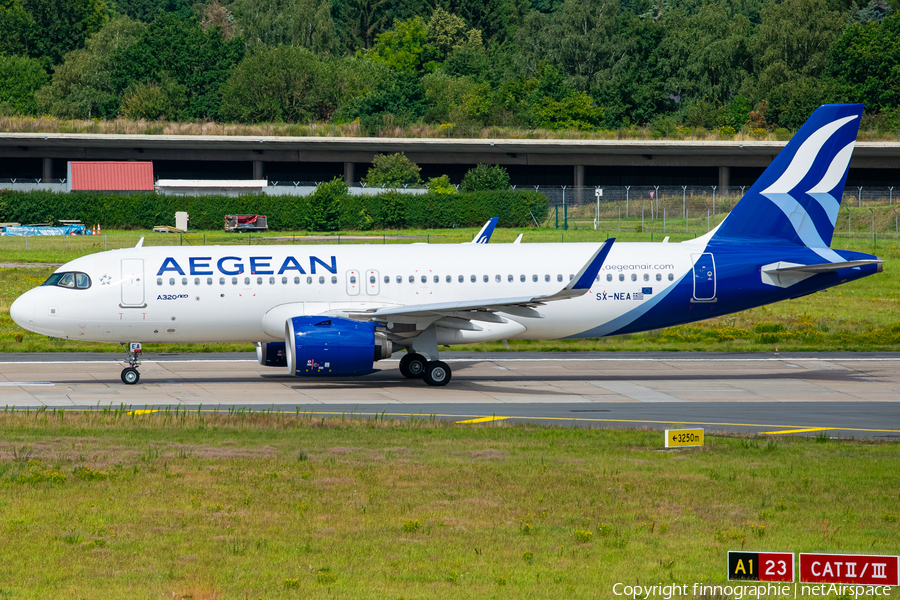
(142, 412)
(483, 420)
(799, 430)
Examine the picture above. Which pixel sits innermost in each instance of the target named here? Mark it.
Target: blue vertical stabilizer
(797, 198)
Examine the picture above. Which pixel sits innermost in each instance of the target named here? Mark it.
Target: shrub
(441, 185)
(285, 213)
(324, 205)
(485, 178)
(392, 170)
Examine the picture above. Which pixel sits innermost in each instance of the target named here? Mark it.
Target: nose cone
(22, 312)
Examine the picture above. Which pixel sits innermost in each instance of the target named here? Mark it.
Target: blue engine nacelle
(333, 347)
(271, 354)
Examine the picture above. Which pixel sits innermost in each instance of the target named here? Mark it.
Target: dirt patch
(340, 450)
(488, 453)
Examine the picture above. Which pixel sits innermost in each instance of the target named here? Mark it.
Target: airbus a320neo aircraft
(336, 310)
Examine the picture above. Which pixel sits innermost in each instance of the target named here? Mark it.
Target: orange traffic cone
(98, 228)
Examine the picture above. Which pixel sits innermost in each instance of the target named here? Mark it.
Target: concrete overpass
(576, 163)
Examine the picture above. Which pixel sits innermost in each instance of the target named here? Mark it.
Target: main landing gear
(130, 375)
(416, 366)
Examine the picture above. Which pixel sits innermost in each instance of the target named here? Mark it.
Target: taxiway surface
(841, 394)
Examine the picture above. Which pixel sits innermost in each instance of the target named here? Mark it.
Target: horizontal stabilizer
(823, 268)
(785, 274)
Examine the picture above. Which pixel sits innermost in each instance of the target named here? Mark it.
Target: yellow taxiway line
(484, 420)
(800, 430)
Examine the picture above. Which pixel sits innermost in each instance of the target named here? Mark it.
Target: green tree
(359, 22)
(417, 44)
(147, 10)
(485, 177)
(60, 26)
(791, 53)
(392, 170)
(285, 83)
(305, 23)
(83, 85)
(325, 205)
(705, 56)
(16, 27)
(395, 99)
(201, 61)
(20, 78)
(865, 62)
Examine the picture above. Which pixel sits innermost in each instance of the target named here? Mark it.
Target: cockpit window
(80, 281)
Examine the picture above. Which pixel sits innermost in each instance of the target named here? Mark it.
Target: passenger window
(159, 281)
(634, 276)
(571, 277)
(534, 277)
(473, 279)
(68, 280)
(221, 281)
(449, 279)
(424, 278)
(259, 281)
(171, 281)
(284, 280)
(437, 279)
(522, 278)
(184, 281)
(399, 279)
(461, 279)
(497, 278)
(209, 281)
(387, 278)
(484, 278)
(559, 277)
(309, 280)
(234, 281)
(271, 280)
(671, 277)
(296, 281)
(321, 279)
(196, 281)
(412, 278)
(372, 279)
(352, 279)
(333, 279)
(646, 277)
(609, 276)
(82, 281)
(621, 276)
(546, 278)
(659, 276)
(246, 281)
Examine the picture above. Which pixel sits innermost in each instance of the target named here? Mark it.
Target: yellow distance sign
(679, 438)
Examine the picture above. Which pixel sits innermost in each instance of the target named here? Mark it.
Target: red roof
(114, 176)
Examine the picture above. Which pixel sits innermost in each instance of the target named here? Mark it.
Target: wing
(459, 315)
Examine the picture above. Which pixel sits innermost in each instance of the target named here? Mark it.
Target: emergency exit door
(704, 277)
(133, 283)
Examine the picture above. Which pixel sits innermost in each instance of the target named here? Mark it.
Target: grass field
(109, 504)
(859, 316)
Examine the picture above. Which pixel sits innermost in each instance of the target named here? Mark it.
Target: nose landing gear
(130, 374)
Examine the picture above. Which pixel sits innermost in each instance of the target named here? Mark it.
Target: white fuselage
(246, 293)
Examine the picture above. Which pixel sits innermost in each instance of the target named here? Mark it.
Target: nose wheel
(130, 374)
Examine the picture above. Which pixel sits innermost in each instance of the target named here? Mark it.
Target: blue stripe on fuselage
(739, 287)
